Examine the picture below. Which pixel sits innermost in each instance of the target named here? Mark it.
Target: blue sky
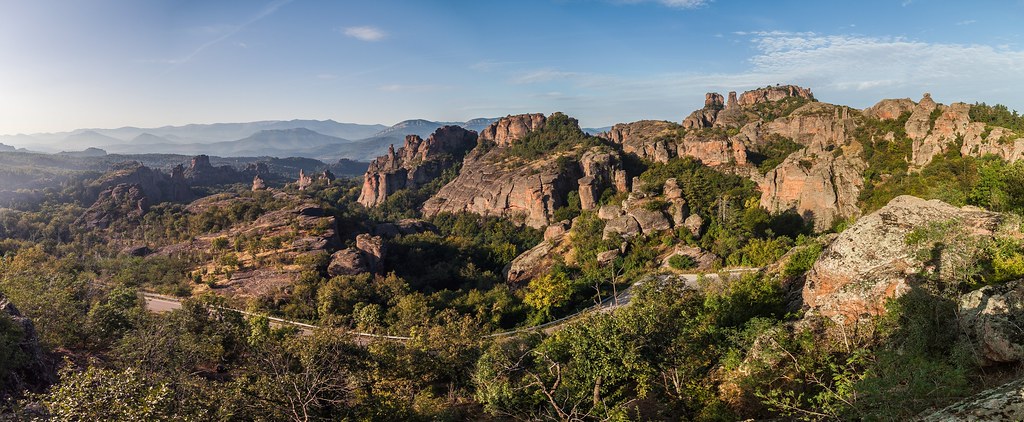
(111, 63)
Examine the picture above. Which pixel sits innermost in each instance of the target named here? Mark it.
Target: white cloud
(846, 69)
(966, 22)
(365, 33)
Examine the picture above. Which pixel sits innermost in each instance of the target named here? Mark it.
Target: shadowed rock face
(416, 163)
(34, 373)
(870, 262)
(774, 93)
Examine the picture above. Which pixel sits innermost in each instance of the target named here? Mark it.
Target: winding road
(160, 303)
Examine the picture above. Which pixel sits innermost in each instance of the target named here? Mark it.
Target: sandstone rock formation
(304, 181)
(416, 163)
(258, 183)
(774, 93)
(493, 183)
(348, 261)
(870, 261)
(530, 264)
(512, 128)
(993, 317)
(705, 260)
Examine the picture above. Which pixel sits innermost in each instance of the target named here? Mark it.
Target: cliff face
(416, 163)
(494, 183)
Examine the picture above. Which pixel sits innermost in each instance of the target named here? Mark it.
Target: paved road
(160, 303)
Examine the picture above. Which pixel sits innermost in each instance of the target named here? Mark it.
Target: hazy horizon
(112, 64)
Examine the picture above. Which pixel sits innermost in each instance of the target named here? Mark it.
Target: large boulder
(348, 261)
(993, 317)
(625, 226)
(509, 129)
(871, 261)
(532, 263)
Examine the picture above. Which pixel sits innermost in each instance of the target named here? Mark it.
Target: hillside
(769, 256)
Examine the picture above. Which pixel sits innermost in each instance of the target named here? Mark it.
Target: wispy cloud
(966, 22)
(365, 33)
(543, 75)
(227, 31)
(678, 4)
(412, 88)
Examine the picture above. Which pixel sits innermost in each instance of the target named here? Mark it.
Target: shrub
(682, 262)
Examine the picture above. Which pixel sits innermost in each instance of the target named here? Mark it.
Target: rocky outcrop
(417, 162)
(304, 181)
(509, 129)
(258, 183)
(121, 202)
(774, 93)
(993, 317)
(661, 141)
(33, 372)
(367, 256)
(817, 184)
(348, 261)
(718, 114)
(300, 231)
(530, 264)
(705, 117)
(494, 183)
(890, 109)
(870, 261)
(704, 260)
(1001, 404)
(156, 186)
(201, 173)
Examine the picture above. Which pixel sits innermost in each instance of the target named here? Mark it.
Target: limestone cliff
(416, 163)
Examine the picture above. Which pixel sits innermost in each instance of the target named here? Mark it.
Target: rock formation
(304, 181)
(512, 128)
(154, 185)
(299, 231)
(774, 93)
(121, 202)
(201, 173)
(870, 261)
(416, 163)
(1000, 404)
(258, 183)
(993, 317)
(33, 373)
(494, 183)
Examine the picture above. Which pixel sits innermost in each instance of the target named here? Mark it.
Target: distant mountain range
(320, 139)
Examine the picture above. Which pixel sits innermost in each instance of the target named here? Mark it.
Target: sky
(112, 63)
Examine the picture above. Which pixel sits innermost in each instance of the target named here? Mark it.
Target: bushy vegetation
(772, 153)
(997, 115)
